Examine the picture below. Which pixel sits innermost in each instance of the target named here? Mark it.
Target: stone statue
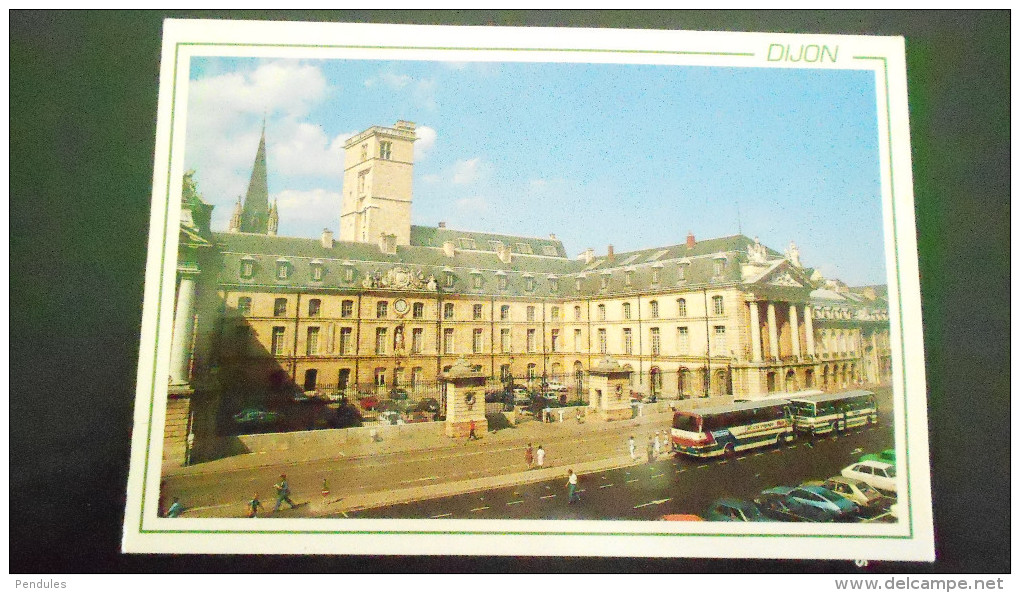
(793, 254)
(431, 284)
(757, 254)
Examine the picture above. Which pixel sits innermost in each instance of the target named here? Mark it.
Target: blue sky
(632, 155)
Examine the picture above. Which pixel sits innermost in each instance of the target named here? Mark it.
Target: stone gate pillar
(465, 400)
(609, 391)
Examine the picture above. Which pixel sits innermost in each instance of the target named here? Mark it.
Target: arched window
(717, 305)
(654, 306)
(681, 307)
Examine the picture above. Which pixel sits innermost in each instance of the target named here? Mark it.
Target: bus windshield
(687, 423)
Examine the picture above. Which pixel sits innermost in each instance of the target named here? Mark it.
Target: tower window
(385, 150)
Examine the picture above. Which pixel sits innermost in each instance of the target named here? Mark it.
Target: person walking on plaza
(633, 448)
(283, 493)
(657, 444)
(529, 456)
(651, 450)
(572, 493)
(254, 505)
(540, 457)
(471, 432)
(175, 510)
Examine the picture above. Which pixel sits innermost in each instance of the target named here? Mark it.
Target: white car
(881, 476)
(553, 386)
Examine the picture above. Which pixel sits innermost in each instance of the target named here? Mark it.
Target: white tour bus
(834, 412)
(723, 430)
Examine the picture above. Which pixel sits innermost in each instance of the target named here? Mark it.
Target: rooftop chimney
(404, 125)
(552, 236)
(690, 240)
(587, 256)
(442, 224)
(327, 238)
(609, 253)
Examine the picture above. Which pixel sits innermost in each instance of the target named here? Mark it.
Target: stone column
(755, 332)
(465, 400)
(809, 329)
(794, 332)
(180, 352)
(773, 332)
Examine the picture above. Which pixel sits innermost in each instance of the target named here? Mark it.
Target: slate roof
(425, 236)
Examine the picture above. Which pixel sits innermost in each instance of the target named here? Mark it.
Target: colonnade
(773, 329)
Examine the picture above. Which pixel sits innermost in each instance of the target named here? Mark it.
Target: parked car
(876, 473)
(859, 491)
(843, 508)
(345, 416)
(368, 401)
(256, 417)
(887, 456)
(777, 504)
(731, 509)
(428, 405)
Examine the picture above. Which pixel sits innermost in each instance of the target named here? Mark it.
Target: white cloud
(426, 140)
(473, 204)
(305, 149)
(467, 171)
(304, 213)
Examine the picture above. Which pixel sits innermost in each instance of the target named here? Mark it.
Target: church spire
(255, 214)
(274, 220)
(235, 218)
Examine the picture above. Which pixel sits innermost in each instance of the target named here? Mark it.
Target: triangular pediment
(785, 275)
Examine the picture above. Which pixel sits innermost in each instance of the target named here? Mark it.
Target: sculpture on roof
(793, 255)
(431, 284)
(757, 254)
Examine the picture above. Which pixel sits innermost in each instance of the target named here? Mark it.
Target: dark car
(256, 417)
(345, 416)
(776, 504)
(731, 509)
(843, 508)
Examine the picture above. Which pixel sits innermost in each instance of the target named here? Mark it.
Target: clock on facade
(400, 306)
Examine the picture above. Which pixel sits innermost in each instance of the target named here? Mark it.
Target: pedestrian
(580, 419)
(529, 456)
(657, 444)
(175, 510)
(572, 494)
(540, 457)
(651, 450)
(283, 493)
(254, 505)
(633, 448)
(471, 431)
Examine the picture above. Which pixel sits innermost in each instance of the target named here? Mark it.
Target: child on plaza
(254, 505)
(529, 456)
(540, 457)
(633, 448)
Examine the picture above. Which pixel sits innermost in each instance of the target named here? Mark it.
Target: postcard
(530, 291)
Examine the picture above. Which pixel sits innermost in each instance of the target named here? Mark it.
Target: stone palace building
(387, 304)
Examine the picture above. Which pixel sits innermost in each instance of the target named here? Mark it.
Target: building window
(380, 340)
(504, 372)
(361, 182)
(681, 307)
(448, 341)
(476, 341)
(531, 371)
(348, 274)
(416, 374)
(549, 250)
(278, 334)
(531, 313)
(554, 314)
(385, 150)
(279, 307)
(554, 340)
(314, 306)
(605, 281)
(602, 312)
(656, 342)
(345, 340)
(317, 272)
(417, 337)
(628, 341)
(626, 310)
(577, 285)
(523, 248)
(603, 342)
(720, 339)
(311, 376)
(654, 307)
(449, 279)
(529, 284)
(476, 312)
(312, 343)
(578, 346)
(380, 377)
(503, 282)
(718, 268)
(244, 305)
(504, 312)
(477, 280)
(364, 152)
(554, 285)
(682, 272)
(655, 275)
(381, 309)
(346, 308)
(628, 277)
(247, 268)
(466, 243)
(683, 343)
(531, 340)
(282, 270)
(717, 305)
(418, 310)
(577, 313)
(504, 341)
(448, 311)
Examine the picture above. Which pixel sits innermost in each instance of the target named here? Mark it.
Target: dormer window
(656, 274)
(554, 284)
(466, 243)
(524, 248)
(476, 280)
(282, 269)
(604, 281)
(247, 267)
(529, 284)
(348, 273)
(629, 277)
(577, 285)
(549, 250)
(682, 272)
(502, 281)
(449, 279)
(495, 245)
(718, 267)
(316, 267)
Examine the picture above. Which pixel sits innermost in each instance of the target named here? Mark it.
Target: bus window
(687, 423)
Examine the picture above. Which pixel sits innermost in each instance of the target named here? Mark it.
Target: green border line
(142, 530)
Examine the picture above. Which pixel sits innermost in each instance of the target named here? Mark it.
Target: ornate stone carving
(793, 254)
(785, 279)
(757, 254)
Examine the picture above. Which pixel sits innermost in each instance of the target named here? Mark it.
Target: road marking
(420, 480)
(758, 454)
(514, 502)
(605, 486)
(724, 461)
(657, 476)
(742, 458)
(213, 506)
(441, 516)
(634, 480)
(478, 509)
(702, 466)
(793, 446)
(648, 504)
(548, 496)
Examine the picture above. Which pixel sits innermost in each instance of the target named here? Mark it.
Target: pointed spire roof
(255, 216)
